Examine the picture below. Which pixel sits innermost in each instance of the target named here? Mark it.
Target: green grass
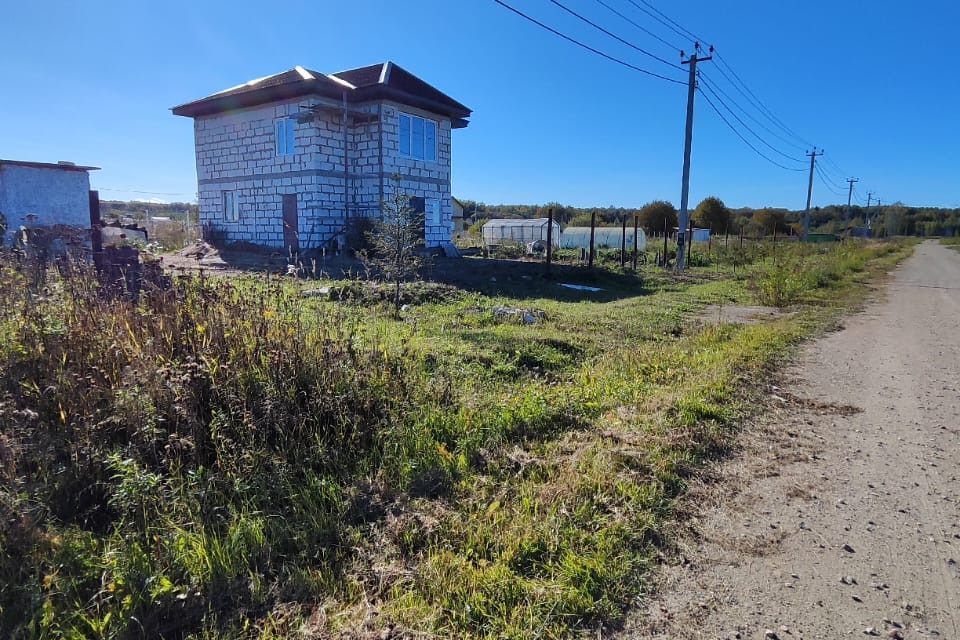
(229, 459)
(953, 243)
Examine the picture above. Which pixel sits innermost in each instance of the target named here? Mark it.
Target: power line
(745, 141)
(825, 183)
(675, 23)
(745, 125)
(754, 99)
(836, 166)
(653, 15)
(826, 175)
(640, 27)
(586, 46)
(615, 36)
(681, 30)
(716, 87)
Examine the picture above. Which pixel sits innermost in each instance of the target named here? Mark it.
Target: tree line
(711, 213)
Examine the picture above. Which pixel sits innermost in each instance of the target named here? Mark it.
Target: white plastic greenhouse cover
(610, 237)
(518, 230)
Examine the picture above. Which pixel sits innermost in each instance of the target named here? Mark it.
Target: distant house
(288, 160)
(457, 217)
(43, 194)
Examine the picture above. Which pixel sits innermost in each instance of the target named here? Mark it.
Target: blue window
(404, 134)
(286, 136)
(418, 137)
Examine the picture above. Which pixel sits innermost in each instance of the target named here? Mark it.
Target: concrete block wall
(426, 179)
(39, 197)
(237, 152)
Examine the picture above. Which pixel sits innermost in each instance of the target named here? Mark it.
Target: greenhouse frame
(603, 237)
(501, 231)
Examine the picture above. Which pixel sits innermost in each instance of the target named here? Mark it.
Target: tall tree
(768, 220)
(712, 214)
(658, 215)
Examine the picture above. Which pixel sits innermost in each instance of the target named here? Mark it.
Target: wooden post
(665, 260)
(636, 220)
(774, 244)
(623, 241)
(96, 239)
(593, 224)
(549, 238)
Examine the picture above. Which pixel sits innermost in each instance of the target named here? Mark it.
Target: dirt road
(841, 517)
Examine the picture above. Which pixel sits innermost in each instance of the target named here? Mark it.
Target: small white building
(500, 231)
(290, 159)
(603, 237)
(42, 194)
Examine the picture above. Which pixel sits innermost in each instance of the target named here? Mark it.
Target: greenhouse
(519, 231)
(603, 237)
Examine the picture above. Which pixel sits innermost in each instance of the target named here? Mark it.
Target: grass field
(953, 243)
(230, 459)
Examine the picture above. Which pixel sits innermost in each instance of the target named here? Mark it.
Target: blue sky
(872, 82)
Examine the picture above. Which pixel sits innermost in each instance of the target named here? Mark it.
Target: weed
(230, 459)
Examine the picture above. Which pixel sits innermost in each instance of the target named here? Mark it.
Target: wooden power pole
(687, 144)
(806, 214)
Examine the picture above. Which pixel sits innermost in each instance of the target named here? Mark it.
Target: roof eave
(453, 111)
(256, 97)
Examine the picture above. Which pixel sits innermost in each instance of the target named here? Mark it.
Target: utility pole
(687, 144)
(867, 214)
(806, 214)
(851, 182)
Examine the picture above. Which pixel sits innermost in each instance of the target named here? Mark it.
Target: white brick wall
(236, 152)
(35, 196)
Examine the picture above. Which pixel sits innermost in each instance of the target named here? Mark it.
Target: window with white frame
(286, 136)
(231, 210)
(418, 137)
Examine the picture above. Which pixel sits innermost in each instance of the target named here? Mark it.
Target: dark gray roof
(62, 165)
(380, 81)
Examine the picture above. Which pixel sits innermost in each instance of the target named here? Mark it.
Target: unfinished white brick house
(288, 160)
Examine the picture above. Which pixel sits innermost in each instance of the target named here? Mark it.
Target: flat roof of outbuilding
(63, 166)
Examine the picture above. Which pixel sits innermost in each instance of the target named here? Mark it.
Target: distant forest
(893, 219)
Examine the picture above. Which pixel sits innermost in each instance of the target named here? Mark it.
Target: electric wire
(615, 36)
(678, 28)
(675, 23)
(751, 97)
(660, 20)
(709, 88)
(586, 46)
(833, 166)
(716, 87)
(739, 135)
(823, 180)
(827, 176)
(640, 27)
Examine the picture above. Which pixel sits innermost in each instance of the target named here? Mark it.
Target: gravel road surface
(840, 517)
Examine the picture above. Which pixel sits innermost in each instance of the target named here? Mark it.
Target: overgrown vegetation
(230, 459)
